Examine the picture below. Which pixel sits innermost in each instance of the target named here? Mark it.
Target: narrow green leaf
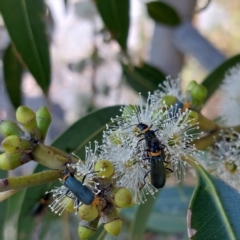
(76, 136)
(12, 71)
(86, 129)
(14, 204)
(163, 13)
(100, 234)
(3, 207)
(24, 20)
(143, 79)
(115, 15)
(142, 215)
(215, 78)
(214, 211)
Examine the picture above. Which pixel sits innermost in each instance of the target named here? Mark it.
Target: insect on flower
(40, 205)
(80, 191)
(155, 154)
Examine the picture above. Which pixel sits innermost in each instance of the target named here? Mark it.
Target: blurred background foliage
(76, 56)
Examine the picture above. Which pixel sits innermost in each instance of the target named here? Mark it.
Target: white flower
(83, 172)
(223, 161)
(170, 87)
(230, 102)
(172, 129)
(131, 170)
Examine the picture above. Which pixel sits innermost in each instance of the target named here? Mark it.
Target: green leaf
(163, 13)
(142, 215)
(214, 211)
(12, 71)
(14, 204)
(169, 213)
(85, 130)
(76, 136)
(214, 79)
(3, 207)
(24, 20)
(143, 79)
(115, 15)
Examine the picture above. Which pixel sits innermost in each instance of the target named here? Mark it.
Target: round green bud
(10, 161)
(199, 92)
(16, 144)
(193, 117)
(122, 198)
(8, 128)
(43, 118)
(114, 227)
(70, 205)
(116, 138)
(85, 233)
(27, 118)
(192, 85)
(88, 212)
(104, 168)
(87, 228)
(169, 100)
(129, 111)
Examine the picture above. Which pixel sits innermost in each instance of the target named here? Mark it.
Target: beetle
(40, 205)
(76, 187)
(155, 154)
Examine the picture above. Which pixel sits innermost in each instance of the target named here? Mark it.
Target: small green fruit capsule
(193, 117)
(70, 205)
(10, 161)
(169, 100)
(111, 220)
(199, 92)
(192, 85)
(129, 111)
(85, 233)
(44, 119)
(116, 138)
(88, 212)
(27, 118)
(104, 168)
(87, 228)
(16, 144)
(122, 197)
(114, 227)
(8, 128)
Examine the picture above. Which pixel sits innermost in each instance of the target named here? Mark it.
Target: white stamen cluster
(84, 170)
(223, 161)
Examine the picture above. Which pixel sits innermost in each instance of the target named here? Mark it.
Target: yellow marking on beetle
(145, 130)
(186, 105)
(97, 201)
(43, 201)
(153, 154)
(66, 177)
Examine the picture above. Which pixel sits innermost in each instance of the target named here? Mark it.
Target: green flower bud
(116, 138)
(192, 85)
(87, 228)
(27, 118)
(199, 92)
(43, 118)
(192, 117)
(88, 212)
(70, 205)
(11, 161)
(169, 100)
(122, 197)
(8, 128)
(16, 144)
(104, 168)
(206, 124)
(129, 110)
(111, 220)
(114, 227)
